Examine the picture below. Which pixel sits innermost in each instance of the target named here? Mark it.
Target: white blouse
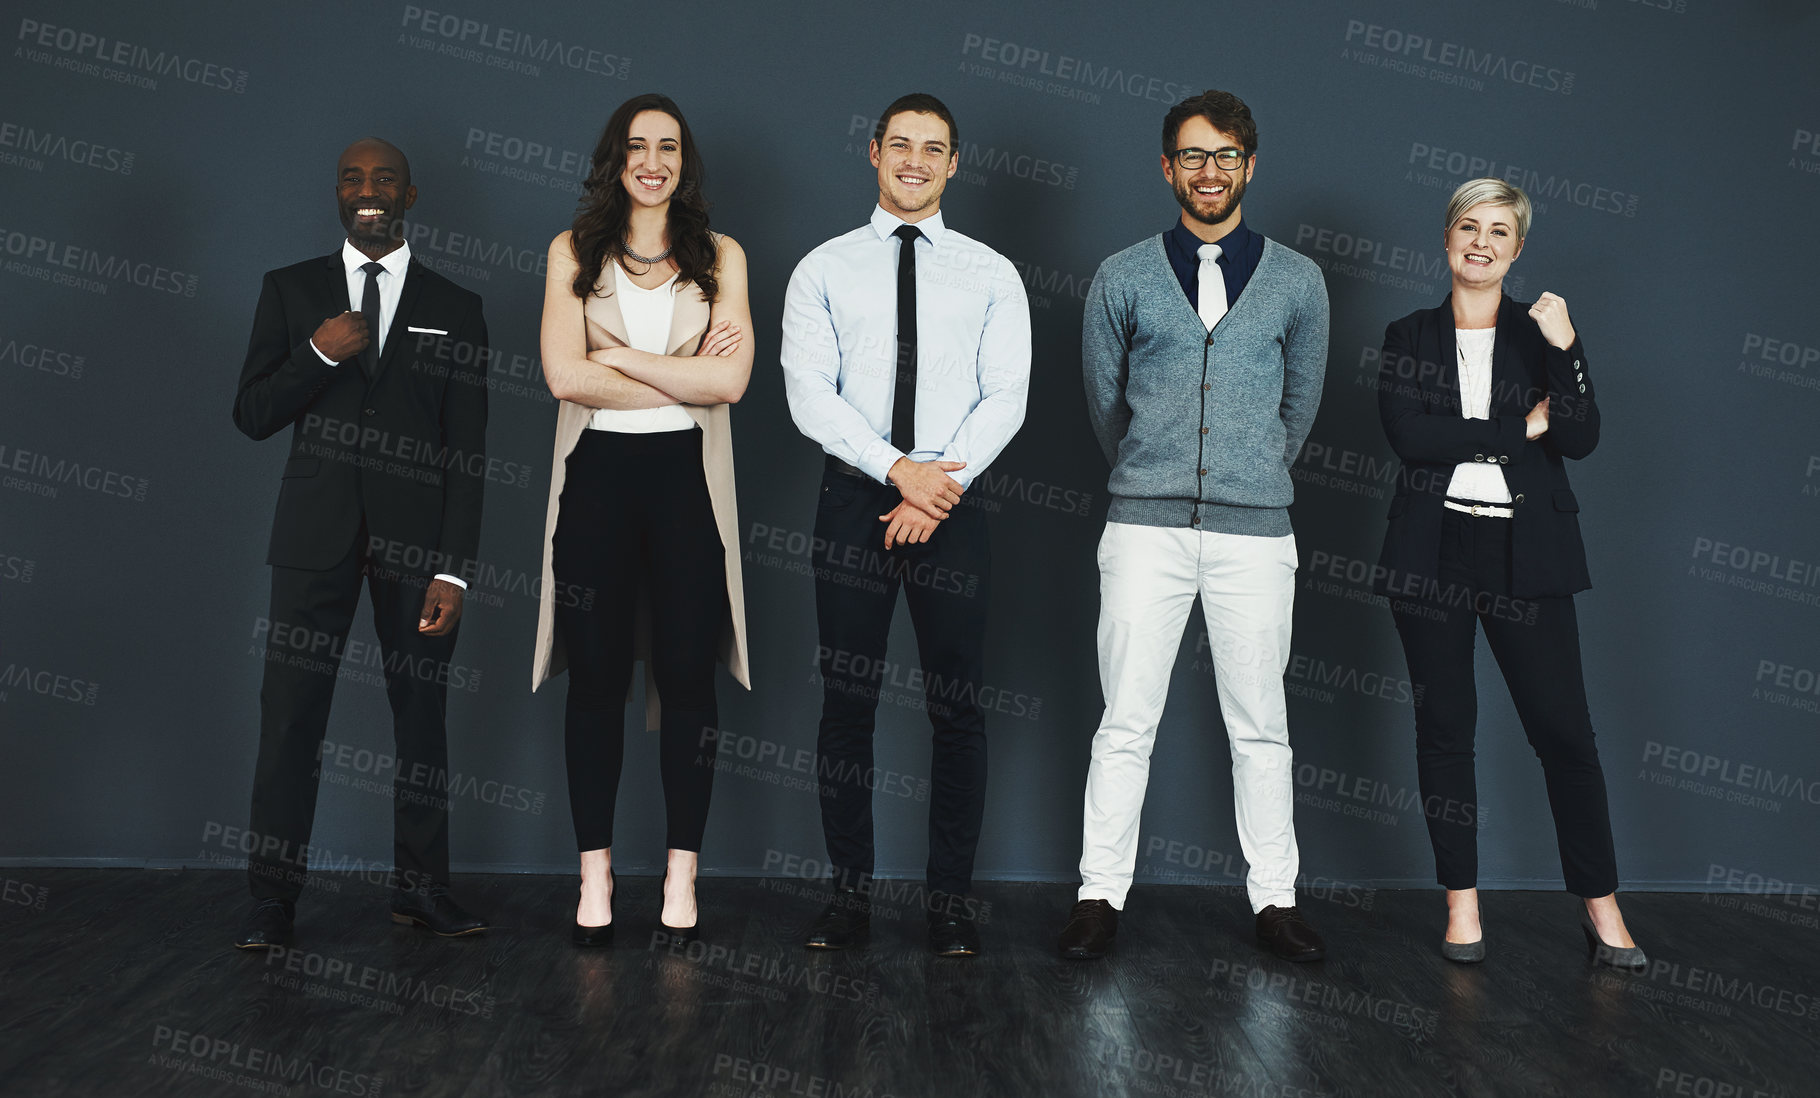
(647, 314)
(1476, 480)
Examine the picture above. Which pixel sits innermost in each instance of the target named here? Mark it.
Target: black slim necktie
(369, 307)
(903, 406)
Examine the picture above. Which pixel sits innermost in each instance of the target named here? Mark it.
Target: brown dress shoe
(1283, 931)
(1091, 927)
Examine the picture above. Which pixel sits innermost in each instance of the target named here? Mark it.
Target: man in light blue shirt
(906, 355)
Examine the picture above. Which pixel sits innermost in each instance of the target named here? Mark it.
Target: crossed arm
(621, 377)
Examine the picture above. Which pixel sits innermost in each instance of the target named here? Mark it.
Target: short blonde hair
(1495, 191)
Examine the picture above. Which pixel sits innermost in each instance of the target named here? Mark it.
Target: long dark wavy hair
(599, 231)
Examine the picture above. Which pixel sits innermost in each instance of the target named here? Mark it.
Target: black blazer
(1419, 404)
(404, 449)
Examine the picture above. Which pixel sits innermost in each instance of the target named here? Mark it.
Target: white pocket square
(427, 331)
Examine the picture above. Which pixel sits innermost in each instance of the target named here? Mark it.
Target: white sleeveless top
(1476, 480)
(647, 314)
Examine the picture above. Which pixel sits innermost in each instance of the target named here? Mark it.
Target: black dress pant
(1537, 645)
(945, 585)
(636, 519)
(310, 617)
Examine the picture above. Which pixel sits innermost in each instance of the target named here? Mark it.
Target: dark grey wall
(154, 163)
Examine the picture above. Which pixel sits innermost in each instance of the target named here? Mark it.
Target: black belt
(836, 465)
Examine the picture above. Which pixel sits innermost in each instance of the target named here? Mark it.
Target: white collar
(394, 261)
(884, 223)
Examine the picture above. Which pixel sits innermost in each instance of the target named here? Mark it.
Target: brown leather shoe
(1283, 931)
(1091, 927)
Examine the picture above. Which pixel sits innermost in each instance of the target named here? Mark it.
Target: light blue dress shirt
(839, 348)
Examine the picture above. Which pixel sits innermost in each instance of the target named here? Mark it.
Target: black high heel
(589, 937)
(680, 933)
(1610, 955)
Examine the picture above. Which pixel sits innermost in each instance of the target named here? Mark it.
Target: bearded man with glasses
(1204, 349)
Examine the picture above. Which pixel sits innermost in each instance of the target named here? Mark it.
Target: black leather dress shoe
(1283, 931)
(1092, 925)
(953, 936)
(844, 923)
(267, 925)
(433, 909)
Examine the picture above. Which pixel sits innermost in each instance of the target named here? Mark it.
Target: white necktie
(1212, 298)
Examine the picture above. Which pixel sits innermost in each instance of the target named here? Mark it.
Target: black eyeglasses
(1227, 159)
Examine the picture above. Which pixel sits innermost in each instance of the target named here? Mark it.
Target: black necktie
(369, 307)
(903, 406)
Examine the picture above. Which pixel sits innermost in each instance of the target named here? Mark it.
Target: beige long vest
(606, 328)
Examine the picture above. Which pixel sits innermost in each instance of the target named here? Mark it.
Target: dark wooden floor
(121, 982)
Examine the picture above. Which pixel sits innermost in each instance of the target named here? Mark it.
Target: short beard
(1184, 194)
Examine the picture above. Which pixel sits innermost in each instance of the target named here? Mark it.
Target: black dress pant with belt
(1537, 645)
(945, 584)
(636, 518)
(307, 635)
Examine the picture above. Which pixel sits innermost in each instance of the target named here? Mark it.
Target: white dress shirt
(1476, 480)
(839, 351)
(647, 315)
(391, 288)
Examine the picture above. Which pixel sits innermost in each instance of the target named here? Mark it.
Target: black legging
(635, 516)
(1537, 645)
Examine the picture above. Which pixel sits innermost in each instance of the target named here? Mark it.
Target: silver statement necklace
(626, 246)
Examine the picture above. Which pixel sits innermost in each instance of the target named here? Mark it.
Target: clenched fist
(1550, 314)
(342, 337)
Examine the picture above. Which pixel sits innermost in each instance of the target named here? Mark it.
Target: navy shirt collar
(1235, 243)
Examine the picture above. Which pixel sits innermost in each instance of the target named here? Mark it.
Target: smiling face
(372, 192)
(653, 158)
(914, 164)
(1481, 244)
(1209, 194)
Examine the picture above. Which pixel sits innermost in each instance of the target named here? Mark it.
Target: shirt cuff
(877, 460)
(461, 583)
(320, 355)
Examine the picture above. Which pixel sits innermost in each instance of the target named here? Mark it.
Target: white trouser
(1149, 576)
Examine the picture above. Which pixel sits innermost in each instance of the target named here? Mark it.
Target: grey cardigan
(1201, 427)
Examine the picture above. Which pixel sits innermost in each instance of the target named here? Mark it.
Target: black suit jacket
(1419, 404)
(405, 449)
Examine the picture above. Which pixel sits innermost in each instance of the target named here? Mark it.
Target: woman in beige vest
(646, 341)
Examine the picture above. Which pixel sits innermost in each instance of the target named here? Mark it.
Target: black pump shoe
(690, 933)
(590, 937)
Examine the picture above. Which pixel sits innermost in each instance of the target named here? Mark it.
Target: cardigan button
(1203, 430)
